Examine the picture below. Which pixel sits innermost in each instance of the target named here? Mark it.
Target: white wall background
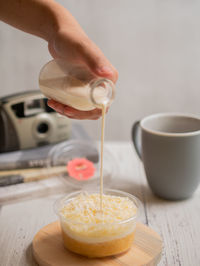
(154, 44)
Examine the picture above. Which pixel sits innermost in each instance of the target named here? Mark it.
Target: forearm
(42, 18)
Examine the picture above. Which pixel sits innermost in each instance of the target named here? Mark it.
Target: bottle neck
(102, 92)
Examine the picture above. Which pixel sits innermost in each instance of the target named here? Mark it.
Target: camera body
(26, 121)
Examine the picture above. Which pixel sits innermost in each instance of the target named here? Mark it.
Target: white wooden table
(178, 223)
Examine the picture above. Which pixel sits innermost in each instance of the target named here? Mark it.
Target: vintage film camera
(26, 121)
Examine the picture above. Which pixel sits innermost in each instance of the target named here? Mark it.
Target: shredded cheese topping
(82, 216)
(85, 209)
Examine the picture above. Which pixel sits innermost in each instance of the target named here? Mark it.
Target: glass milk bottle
(75, 85)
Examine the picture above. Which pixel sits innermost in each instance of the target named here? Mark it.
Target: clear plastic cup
(99, 239)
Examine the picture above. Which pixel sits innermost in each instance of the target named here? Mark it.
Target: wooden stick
(28, 175)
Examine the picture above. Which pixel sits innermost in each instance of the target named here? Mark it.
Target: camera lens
(42, 128)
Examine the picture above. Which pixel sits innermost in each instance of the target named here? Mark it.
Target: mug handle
(135, 138)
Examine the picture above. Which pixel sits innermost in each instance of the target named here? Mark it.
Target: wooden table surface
(178, 223)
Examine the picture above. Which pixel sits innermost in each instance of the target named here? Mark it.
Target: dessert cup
(98, 239)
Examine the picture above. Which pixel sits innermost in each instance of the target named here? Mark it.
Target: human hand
(66, 39)
(72, 44)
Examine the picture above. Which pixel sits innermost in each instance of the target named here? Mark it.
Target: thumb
(96, 61)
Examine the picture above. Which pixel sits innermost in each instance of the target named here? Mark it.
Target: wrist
(61, 20)
(51, 23)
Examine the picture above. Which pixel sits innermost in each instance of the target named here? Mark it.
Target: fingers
(74, 113)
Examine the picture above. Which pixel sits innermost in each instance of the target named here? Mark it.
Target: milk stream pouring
(75, 86)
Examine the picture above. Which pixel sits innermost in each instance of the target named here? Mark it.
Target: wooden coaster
(48, 249)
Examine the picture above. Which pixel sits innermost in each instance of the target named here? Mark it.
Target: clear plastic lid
(78, 162)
